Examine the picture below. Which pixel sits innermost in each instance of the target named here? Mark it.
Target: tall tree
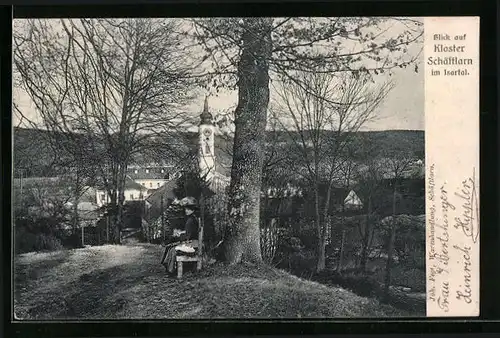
(117, 82)
(369, 176)
(321, 132)
(397, 158)
(245, 53)
(243, 235)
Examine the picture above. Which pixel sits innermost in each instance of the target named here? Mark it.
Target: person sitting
(188, 240)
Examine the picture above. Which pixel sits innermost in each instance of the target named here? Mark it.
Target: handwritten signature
(470, 208)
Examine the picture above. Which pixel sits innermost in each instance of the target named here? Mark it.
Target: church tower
(207, 142)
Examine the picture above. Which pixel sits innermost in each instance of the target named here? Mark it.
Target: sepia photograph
(219, 168)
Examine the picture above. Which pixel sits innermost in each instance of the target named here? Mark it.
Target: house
(352, 201)
(159, 200)
(133, 191)
(151, 175)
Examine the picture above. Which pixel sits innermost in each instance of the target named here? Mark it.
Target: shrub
(361, 284)
(306, 232)
(28, 242)
(47, 243)
(24, 241)
(36, 232)
(303, 262)
(292, 255)
(409, 277)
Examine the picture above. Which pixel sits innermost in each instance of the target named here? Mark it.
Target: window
(150, 184)
(103, 197)
(131, 196)
(158, 184)
(167, 176)
(144, 184)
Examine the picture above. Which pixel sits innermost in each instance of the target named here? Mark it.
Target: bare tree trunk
(83, 235)
(162, 219)
(390, 248)
(107, 228)
(75, 213)
(320, 248)
(366, 237)
(322, 228)
(115, 219)
(120, 203)
(341, 256)
(243, 235)
(76, 197)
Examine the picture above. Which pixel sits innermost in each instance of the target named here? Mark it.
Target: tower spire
(205, 105)
(206, 117)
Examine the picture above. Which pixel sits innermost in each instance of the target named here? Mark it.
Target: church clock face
(206, 147)
(207, 132)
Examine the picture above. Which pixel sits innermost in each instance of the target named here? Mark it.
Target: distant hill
(33, 151)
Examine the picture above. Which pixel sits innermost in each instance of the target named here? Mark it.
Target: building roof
(166, 190)
(143, 175)
(353, 199)
(131, 184)
(149, 171)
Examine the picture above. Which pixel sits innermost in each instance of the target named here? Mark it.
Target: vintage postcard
(210, 168)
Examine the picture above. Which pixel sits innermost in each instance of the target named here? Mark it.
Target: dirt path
(95, 282)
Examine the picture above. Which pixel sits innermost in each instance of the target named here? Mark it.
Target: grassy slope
(127, 282)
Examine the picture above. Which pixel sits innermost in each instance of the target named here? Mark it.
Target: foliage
(41, 214)
(26, 240)
(409, 242)
(40, 228)
(410, 245)
(191, 184)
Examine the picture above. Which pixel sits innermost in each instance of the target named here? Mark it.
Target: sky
(402, 109)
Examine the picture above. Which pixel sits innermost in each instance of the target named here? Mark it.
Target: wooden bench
(198, 257)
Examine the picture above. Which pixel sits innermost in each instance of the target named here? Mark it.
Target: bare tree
(369, 176)
(320, 131)
(119, 83)
(397, 158)
(247, 53)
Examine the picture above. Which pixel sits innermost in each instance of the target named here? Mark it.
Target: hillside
(33, 151)
(127, 282)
